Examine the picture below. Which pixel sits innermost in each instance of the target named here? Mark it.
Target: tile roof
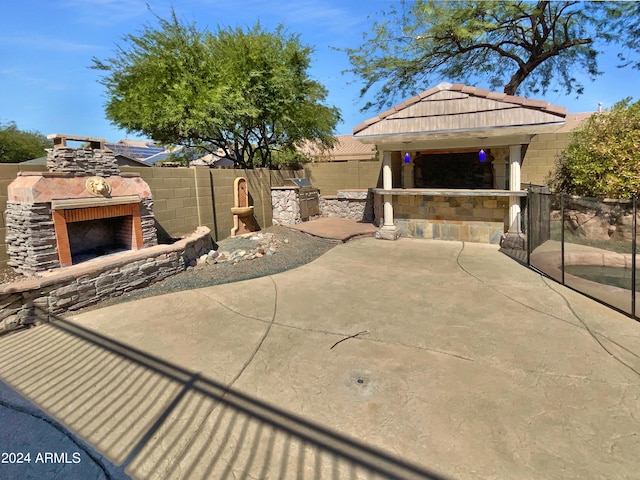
(573, 120)
(347, 147)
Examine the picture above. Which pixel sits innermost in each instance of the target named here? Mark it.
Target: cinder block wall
(330, 177)
(181, 198)
(541, 155)
(259, 181)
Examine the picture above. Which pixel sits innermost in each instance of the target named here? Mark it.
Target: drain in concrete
(360, 383)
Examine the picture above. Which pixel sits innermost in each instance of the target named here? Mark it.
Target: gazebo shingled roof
(461, 110)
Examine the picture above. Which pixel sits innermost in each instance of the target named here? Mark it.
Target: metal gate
(539, 229)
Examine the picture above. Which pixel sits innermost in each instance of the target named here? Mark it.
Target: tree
(19, 145)
(522, 46)
(603, 156)
(246, 92)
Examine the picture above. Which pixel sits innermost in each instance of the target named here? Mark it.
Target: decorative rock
(353, 194)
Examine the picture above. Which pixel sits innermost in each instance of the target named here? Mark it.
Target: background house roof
(346, 148)
(572, 121)
(458, 111)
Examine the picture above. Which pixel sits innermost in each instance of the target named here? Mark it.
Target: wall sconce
(407, 158)
(482, 156)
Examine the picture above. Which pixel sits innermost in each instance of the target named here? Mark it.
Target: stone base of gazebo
(446, 214)
(456, 230)
(388, 233)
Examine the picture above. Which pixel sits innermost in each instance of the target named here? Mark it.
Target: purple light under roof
(482, 156)
(407, 158)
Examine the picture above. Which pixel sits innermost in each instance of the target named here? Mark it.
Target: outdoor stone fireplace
(82, 208)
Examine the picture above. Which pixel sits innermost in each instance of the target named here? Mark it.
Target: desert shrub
(603, 155)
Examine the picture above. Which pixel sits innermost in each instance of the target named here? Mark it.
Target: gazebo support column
(407, 175)
(389, 231)
(515, 158)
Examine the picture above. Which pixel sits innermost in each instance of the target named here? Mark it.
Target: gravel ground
(293, 249)
(7, 275)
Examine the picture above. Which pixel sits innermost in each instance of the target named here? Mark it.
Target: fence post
(633, 257)
(529, 236)
(562, 235)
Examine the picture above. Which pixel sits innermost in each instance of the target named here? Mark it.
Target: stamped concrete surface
(338, 229)
(407, 359)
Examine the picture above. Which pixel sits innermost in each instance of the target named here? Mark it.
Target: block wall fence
(330, 177)
(540, 157)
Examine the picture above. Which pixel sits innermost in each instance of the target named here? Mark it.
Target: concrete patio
(407, 359)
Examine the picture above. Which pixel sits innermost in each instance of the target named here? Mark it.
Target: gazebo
(451, 160)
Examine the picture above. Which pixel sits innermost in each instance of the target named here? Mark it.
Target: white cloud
(42, 42)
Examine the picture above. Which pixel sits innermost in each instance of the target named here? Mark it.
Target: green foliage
(603, 157)
(290, 159)
(244, 91)
(18, 145)
(522, 46)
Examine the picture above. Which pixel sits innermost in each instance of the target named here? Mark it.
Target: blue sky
(46, 48)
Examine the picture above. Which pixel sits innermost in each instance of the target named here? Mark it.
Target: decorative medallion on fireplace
(83, 207)
(98, 186)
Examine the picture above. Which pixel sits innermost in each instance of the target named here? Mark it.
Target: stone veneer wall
(31, 237)
(464, 218)
(84, 161)
(148, 223)
(350, 204)
(285, 203)
(41, 299)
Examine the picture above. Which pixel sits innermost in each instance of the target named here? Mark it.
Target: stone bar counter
(352, 204)
(285, 202)
(469, 215)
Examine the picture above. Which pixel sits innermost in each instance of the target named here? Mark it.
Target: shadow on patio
(157, 420)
